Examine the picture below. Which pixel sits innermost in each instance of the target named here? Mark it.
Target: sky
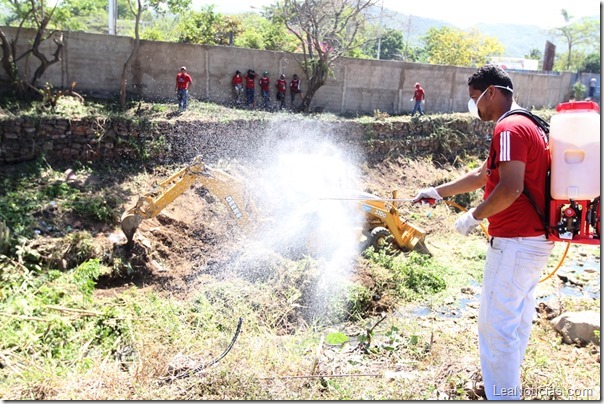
(462, 13)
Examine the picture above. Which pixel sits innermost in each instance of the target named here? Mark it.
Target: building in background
(510, 63)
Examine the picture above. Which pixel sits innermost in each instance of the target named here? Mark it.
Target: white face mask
(473, 106)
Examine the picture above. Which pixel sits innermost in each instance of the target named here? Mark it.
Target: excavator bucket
(129, 223)
(413, 238)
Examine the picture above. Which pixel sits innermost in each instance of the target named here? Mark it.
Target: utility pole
(379, 48)
(112, 17)
(407, 38)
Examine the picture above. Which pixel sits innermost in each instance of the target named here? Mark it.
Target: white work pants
(507, 306)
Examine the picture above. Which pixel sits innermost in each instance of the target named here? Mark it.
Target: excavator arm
(227, 188)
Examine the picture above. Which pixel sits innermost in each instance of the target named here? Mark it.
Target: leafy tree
(199, 26)
(452, 46)
(325, 30)
(534, 53)
(80, 12)
(278, 38)
(416, 54)
(577, 60)
(34, 14)
(272, 32)
(592, 63)
(161, 28)
(391, 45)
(584, 32)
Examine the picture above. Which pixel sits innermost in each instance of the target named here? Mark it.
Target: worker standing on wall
(237, 83)
(183, 81)
(419, 97)
(281, 89)
(295, 88)
(250, 88)
(265, 90)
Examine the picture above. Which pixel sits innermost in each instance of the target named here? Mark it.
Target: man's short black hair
(489, 75)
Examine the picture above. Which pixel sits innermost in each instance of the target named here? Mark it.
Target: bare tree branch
(326, 30)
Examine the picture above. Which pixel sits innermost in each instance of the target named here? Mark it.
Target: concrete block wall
(361, 86)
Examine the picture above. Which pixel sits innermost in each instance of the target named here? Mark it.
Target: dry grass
(281, 354)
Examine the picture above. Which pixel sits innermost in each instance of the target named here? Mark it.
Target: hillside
(518, 40)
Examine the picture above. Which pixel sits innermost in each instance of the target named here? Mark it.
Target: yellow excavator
(228, 188)
(382, 225)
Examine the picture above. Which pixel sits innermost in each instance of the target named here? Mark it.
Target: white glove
(427, 193)
(466, 223)
(411, 100)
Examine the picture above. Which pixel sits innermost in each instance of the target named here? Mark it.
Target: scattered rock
(474, 391)
(70, 175)
(549, 310)
(158, 267)
(578, 327)
(469, 290)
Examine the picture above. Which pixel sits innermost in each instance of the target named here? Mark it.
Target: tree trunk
(133, 54)
(44, 63)
(8, 58)
(317, 79)
(23, 87)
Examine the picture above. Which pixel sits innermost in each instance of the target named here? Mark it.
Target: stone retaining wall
(93, 139)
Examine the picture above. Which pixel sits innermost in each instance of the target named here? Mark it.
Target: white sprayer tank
(574, 139)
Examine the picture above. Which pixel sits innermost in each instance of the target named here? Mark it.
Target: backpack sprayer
(574, 185)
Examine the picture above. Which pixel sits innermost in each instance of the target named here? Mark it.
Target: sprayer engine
(570, 218)
(575, 221)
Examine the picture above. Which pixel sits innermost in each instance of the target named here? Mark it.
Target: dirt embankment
(283, 164)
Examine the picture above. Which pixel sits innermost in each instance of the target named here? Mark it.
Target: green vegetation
(410, 277)
(40, 194)
(82, 319)
(451, 46)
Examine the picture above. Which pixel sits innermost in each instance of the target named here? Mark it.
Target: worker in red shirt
(250, 87)
(513, 177)
(265, 89)
(418, 96)
(183, 81)
(281, 88)
(295, 88)
(237, 83)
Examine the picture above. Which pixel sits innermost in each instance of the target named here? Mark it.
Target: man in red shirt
(295, 88)
(250, 87)
(281, 88)
(183, 81)
(265, 89)
(237, 83)
(418, 96)
(514, 173)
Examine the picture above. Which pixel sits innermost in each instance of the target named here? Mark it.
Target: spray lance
(423, 201)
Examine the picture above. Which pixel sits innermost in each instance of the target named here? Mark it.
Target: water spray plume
(299, 169)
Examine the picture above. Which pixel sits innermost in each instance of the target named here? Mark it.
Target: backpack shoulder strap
(538, 120)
